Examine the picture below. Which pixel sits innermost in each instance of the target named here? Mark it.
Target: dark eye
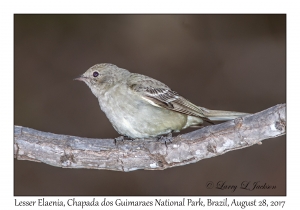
(95, 74)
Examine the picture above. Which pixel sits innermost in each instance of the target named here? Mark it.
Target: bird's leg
(120, 138)
(165, 139)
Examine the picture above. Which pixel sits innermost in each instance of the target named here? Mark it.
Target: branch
(77, 152)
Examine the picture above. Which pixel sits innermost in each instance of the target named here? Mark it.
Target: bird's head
(101, 77)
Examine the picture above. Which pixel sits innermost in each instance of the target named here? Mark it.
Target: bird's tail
(218, 115)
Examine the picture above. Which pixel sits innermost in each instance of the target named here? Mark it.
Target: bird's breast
(133, 116)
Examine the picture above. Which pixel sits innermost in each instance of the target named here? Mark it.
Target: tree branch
(77, 152)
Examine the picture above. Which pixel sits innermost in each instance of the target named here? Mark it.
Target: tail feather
(219, 115)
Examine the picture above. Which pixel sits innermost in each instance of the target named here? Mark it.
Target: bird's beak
(80, 78)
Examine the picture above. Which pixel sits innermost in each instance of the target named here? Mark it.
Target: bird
(141, 107)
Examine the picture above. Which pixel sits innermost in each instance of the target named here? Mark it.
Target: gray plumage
(140, 107)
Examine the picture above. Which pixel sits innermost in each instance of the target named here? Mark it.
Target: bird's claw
(120, 138)
(165, 139)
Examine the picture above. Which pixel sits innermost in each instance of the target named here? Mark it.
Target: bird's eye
(95, 74)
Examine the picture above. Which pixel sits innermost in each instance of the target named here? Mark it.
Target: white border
(8, 8)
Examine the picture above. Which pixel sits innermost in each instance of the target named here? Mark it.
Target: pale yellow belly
(137, 118)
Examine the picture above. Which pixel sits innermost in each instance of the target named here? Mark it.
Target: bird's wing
(159, 94)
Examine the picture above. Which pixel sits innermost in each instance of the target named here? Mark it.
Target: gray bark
(149, 154)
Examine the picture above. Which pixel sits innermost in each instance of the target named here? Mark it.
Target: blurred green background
(227, 62)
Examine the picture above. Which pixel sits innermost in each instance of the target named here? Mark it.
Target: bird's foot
(122, 138)
(165, 139)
